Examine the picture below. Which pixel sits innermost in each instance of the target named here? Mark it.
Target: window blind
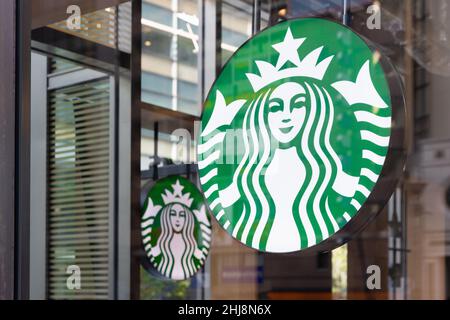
(78, 189)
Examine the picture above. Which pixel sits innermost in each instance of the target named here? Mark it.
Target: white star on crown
(177, 196)
(288, 50)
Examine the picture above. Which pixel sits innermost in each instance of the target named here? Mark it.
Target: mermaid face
(287, 110)
(177, 217)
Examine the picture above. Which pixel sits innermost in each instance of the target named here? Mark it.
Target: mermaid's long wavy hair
(165, 238)
(311, 212)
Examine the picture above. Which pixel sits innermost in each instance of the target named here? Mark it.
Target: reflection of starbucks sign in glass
(295, 133)
(176, 229)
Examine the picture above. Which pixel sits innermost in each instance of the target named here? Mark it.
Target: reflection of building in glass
(170, 51)
(169, 55)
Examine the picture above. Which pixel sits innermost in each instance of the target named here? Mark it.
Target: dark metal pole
(394, 237)
(218, 47)
(345, 8)
(135, 246)
(256, 21)
(404, 243)
(155, 151)
(22, 151)
(7, 147)
(116, 153)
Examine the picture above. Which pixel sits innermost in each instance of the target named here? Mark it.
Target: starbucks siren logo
(295, 132)
(176, 230)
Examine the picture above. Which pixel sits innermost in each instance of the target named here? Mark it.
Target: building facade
(101, 99)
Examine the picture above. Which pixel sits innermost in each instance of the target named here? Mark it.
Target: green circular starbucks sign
(295, 134)
(175, 228)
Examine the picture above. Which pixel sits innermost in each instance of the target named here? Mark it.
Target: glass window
(236, 26)
(81, 151)
(170, 50)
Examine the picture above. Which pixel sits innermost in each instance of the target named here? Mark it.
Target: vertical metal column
(210, 41)
(136, 38)
(7, 147)
(155, 150)
(38, 177)
(115, 112)
(210, 63)
(345, 8)
(256, 16)
(22, 151)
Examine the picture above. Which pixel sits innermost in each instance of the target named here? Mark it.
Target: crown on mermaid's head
(309, 66)
(177, 196)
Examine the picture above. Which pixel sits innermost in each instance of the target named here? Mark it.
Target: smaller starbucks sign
(175, 228)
